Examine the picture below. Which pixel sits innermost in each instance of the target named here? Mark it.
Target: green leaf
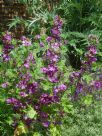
(88, 100)
(87, 78)
(67, 106)
(46, 86)
(31, 113)
(9, 121)
(36, 134)
(21, 129)
(10, 73)
(54, 131)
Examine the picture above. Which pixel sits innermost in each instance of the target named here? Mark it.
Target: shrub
(37, 85)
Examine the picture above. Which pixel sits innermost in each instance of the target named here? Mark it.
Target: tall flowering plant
(83, 81)
(36, 83)
(33, 77)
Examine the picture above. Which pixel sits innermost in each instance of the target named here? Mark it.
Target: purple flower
(100, 77)
(51, 56)
(58, 22)
(92, 50)
(56, 90)
(55, 45)
(50, 70)
(27, 120)
(46, 124)
(32, 87)
(37, 107)
(90, 55)
(49, 39)
(59, 88)
(25, 79)
(37, 37)
(55, 58)
(55, 31)
(41, 44)
(97, 84)
(6, 57)
(79, 87)
(26, 64)
(7, 46)
(25, 41)
(53, 79)
(44, 70)
(22, 84)
(45, 99)
(74, 75)
(43, 114)
(7, 38)
(23, 94)
(92, 59)
(55, 98)
(4, 85)
(62, 87)
(29, 59)
(11, 101)
(18, 106)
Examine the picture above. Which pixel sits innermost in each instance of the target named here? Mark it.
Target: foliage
(78, 14)
(40, 93)
(82, 17)
(38, 87)
(37, 16)
(85, 122)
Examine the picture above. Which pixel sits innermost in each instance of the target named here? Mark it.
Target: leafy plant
(37, 86)
(37, 16)
(82, 17)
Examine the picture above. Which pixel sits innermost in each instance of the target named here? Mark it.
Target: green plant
(37, 16)
(82, 17)
(84, 122)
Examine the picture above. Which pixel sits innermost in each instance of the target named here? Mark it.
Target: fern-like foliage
(38, 16)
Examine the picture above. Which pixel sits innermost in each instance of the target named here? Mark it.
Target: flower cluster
(50, 71)
(96, 84)
(23, 83)
(90, 55)
(45, 99)
(41, 80)
(15, 103)
(30, 59)
(4, 85)
(57, 27)
(76, 78)
(31, 92)
(25, 41)
(59, 88)
(6, 39)
(52, 56)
